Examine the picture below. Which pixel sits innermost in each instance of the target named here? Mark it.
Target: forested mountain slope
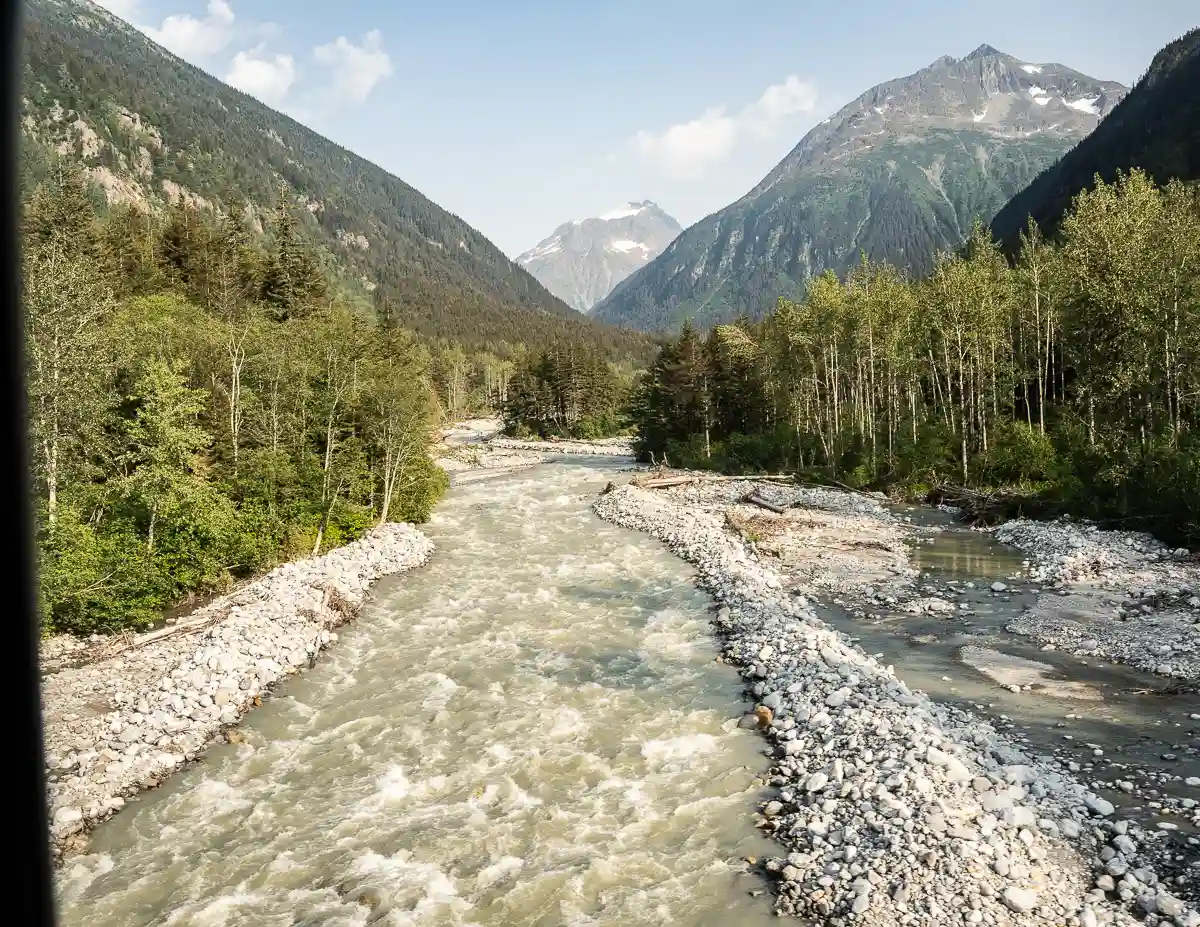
(1155, 128)
(151, 128)
(900, 174)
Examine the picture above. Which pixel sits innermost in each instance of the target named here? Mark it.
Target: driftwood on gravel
(661, 480)
(752, 498)
(981, 509)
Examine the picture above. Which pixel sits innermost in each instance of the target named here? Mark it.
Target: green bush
(1019, 454)
(91, 582)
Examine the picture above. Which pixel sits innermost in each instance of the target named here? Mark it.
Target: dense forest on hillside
(567, 392)
(151, 127)
(1156, 128)
(202, 408)
(1073, 375)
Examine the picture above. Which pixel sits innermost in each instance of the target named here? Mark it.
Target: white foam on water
(685, 747)
(214, 796)
(78, 876)
(503, 868)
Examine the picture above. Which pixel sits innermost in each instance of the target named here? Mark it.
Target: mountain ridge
(1156, 127)
(899, 173)
(151, 128)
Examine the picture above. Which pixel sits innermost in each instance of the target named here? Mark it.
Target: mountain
(583, 260)
(1156, 127)
(150, 128)
(899, 174)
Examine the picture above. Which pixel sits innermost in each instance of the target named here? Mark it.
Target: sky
(520, 115)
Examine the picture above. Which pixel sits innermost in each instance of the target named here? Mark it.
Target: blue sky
(520, 115)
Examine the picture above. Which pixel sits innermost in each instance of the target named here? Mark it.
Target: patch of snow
(881, 109)
(1085, 105)
(978, 117)
(624, 212)
(1036, 91)
(624, 245)
(1031, 69)
(543, 250)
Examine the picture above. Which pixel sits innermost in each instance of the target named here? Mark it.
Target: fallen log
(982, 509)
(662, 482)
(753, 498)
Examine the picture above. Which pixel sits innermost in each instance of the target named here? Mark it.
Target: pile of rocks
(1066, 551)
(1121, 595)
(897, 811)
(117, 726)
(604, 447)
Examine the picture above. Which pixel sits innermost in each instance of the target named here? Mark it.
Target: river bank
(477, 447)
(896, 809)
(134, 714)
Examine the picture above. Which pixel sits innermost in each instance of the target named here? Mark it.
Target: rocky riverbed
(1118, 595)
(895, 809)
(122, 717)
(476, 448)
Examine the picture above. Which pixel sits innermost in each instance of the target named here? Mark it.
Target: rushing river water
(531, 730)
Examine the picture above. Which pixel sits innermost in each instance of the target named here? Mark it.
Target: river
(531, 730)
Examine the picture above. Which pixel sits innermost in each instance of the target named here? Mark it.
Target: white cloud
(686, 150)
(189, 37)
(265, 77)
(778, 103)
(356, 68)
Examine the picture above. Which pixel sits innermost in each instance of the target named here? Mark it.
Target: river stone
(836, 699)
(1125, 845)
(1021, 900)
(1098, 805)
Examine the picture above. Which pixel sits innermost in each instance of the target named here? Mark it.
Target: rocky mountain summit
(900, 173)
(1156, 128)
(584, 259)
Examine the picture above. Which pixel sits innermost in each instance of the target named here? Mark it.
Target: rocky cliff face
(583, 260)
(898, 174)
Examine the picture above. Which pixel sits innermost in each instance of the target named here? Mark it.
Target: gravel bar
(117, 725)
(894, 810)
(1119, 595)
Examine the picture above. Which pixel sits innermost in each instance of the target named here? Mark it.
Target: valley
(606, 645)
(831, 558)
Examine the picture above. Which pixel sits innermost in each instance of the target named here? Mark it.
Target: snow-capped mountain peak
(584, 259)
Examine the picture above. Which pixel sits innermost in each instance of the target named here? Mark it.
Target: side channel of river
(531, 730)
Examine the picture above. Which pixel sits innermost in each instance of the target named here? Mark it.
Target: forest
(568, 391)
(204, 405)
(1069, 377)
